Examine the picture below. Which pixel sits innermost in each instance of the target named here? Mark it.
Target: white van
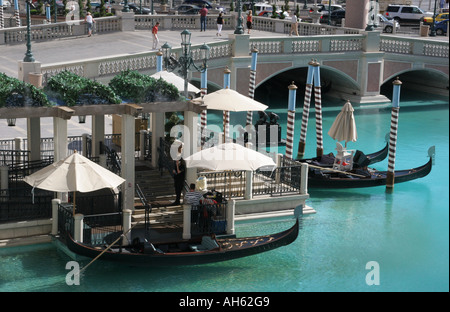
(261, 7)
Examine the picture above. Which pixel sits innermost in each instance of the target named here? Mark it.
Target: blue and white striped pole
(159, 61)
(2, 22)
(47, 13)
(290, 120)
(390, 177)
(226, 114)
(318, 102)
(305, 115)
(16, 13)
(204, 113)
(251, 87)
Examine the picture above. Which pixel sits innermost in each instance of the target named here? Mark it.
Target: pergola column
(34, 137)
(190, 142)
(128, 162)
(98, 134)
(157, 127)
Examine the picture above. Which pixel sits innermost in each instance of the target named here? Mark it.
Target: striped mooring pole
(290, 120)
(226, 114)
(2, 21)
(204, 113)
(305, 115)
(318, 107)
(17, 13)
(252, 82)
(390, 177)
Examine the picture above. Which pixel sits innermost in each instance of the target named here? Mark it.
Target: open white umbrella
(75, 173)
(229, 100)
(177, 81)
(344, 127)
(229, 156)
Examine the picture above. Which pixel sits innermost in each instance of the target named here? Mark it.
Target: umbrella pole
(73, 204)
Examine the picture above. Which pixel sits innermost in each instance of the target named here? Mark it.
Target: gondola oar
(338, 171)
(122, 235)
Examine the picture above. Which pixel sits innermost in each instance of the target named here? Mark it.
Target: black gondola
(208, 250)
(319, 178)
(359, 158)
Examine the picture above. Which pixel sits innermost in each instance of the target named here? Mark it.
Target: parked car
(95, 6)
(411, 13)
(136, 8)
(207, 4)
(439, 18)
(388, 24)
(336, 17)
(441, 27)
(324, 8)
(188, 9)
(6, 4)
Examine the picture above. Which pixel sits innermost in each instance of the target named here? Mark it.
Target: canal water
(356, 238)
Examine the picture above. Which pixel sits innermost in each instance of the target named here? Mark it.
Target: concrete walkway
(78, 48)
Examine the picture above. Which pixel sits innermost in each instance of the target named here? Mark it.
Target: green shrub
(134, 86)
(75, 90)
(16, 93)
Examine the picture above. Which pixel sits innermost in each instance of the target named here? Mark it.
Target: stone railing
(414, 46)
(109, 66)
(58, 30)
(338, 43)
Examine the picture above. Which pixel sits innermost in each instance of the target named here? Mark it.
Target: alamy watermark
(373, 276)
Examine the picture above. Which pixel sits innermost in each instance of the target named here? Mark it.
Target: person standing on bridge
(90, 21)
(249, 21)
(155, 35)
(219, 24)
(203, 12)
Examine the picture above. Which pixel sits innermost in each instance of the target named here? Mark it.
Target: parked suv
(410, 13)
(336, 17)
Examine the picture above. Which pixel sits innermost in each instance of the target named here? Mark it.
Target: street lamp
(239, 29)
(433, 27)
(371, 16)
(126, 8)
(28, 55)
(185, 61)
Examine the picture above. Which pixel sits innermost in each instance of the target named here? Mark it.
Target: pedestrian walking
(155, 35)
(219, 24)
(294, 25)
(249, 21)
(203, 13)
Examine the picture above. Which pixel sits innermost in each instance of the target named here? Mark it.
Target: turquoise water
(406, 232)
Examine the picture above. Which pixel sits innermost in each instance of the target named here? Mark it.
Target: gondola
(328, 160)
(187, 252)
(319, 178)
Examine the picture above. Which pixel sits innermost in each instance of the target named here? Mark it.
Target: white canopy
(229, 156)
(230, 100)
(177, 81)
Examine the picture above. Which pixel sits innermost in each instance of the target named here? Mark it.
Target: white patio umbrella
(344, 127)
(229, 100)
(177, 81)
(75, 173)
(229, 156)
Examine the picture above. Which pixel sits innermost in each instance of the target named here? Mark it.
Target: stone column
(157, 126)
(128, 162)
(190, 142)
(186, 221)
(126, 214)
(55, 203)
(98, 133)
(78, 227)
(356, 13)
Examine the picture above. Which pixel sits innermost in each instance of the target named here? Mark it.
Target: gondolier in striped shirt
(192, 197)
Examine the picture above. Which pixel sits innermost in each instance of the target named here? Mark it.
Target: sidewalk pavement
(78, 48)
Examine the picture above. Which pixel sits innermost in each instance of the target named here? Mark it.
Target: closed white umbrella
(344, 126)
(75, 173)
(229, 100)
(229, 156)
(177, 81)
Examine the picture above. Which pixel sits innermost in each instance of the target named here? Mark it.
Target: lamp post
(239, 29)
(433, 28)
(185, 61)
(28, 55)
(126, 8)
(371, 16)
